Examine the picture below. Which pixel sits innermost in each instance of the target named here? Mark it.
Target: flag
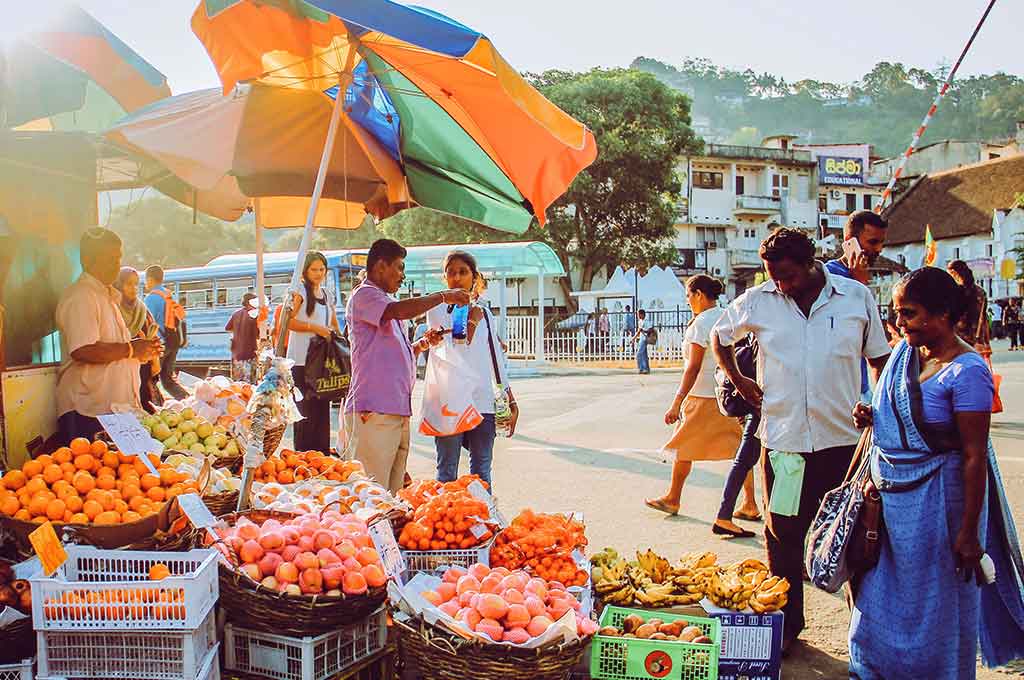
(930, 249)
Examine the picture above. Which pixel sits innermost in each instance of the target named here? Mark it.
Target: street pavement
(590, 441)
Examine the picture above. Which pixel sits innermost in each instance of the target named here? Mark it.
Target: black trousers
(785, 536)
(73, 424)
(168, 368)
(313, 432)
(1013, 330)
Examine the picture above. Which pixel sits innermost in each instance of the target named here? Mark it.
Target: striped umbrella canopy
(470, 136)
(74, 74)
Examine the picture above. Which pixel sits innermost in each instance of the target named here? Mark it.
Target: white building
(972, 215)
(843, 184)
(734, 196)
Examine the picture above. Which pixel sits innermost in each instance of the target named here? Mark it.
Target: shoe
(750, 518)
(661, 506)
(722, 531)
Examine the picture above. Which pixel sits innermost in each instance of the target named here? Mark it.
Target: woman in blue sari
(922, 612)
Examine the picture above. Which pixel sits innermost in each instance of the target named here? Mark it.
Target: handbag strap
(859, 454)
(490, 345)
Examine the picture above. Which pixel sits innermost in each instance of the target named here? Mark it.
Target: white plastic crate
(432, 561)
(110, 590)
(306, 658)
(16, 671)
(163, 655)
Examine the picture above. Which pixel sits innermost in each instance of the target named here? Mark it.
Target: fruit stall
(326, 574)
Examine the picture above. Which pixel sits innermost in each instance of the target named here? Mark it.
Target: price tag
(478, 530)
(187, 380)
(48, 547)
(130, 437)
(387, 547)
(196, 511)
(477, 490)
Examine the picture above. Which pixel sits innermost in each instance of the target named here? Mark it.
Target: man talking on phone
(863, 240)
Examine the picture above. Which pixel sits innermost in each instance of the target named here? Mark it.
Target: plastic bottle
(460, 321)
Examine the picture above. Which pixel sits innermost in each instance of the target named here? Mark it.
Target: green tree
(621, 209)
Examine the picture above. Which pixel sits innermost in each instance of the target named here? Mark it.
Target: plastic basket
(110, 590)
(163, 655)
(306, 658)
(16, 671)
(433, 561)
(619, 658)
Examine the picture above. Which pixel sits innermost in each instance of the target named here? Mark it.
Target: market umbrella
(74, 74)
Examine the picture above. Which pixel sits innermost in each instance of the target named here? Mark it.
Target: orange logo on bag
(446, 413)
(658, 664)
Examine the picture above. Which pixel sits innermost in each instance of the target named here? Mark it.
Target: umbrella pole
(261, 300)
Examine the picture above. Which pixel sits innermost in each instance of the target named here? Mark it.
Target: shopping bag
(448, 394)
(328, 372)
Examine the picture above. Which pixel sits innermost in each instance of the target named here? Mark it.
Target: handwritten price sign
(130, 437)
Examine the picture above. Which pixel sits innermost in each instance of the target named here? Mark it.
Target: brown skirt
(703, 433)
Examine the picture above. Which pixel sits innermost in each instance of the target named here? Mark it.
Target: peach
(353, 583)
(469, 616)
(272, 540)
(311, 580)
(290, 552)
(491, 584)
(269, 563)
(432, 597)
(324, 539)
(558, 608)
(248, 531)
(516, 636)
(326, 556)
(466, 598)
(287, 572)
(292, 589)
(479, 571)
(538, 587)
(492, 606)
(491, 629)
(467, 583)
(374, 575)
(306, 560)
(367, 556)
(251, 551)
(513, 596)
(450, 608)
(235, 543)
(305, 543)
(252, 571)
(270, 582)
(345, 548)
(446, 591)
(351, 564)
(333, 575)
(453, 575)
(291, 535)
(538, 625)
(585, 626)
(517, 616)
(270, 525)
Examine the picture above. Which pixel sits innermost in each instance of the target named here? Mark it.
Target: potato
(645, 631)
(659, 636)
(672, 629)
(631, 623)
(690, 633)
(610, 630)
(655, 622)
(702, 640)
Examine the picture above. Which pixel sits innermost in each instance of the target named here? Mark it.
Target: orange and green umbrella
(74, 74)
(471, 136)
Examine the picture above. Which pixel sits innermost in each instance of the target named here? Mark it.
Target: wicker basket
(221, 503)
(101, 536)
(249, 604)
(433, 654)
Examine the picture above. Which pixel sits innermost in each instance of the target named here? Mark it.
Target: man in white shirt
(100, 361)
(812, 329)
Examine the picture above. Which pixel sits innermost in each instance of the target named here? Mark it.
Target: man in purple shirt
(379, 402)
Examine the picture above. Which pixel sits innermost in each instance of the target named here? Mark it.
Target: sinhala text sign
(840, 170)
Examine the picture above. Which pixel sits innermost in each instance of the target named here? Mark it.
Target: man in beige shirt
(100, 365)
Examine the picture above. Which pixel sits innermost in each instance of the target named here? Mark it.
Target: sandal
(661, 506)
(756, 517)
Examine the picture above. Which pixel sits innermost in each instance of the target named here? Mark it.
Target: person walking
(484, 355)
(703, 432)
(604, 329)
(245, 335)
(812, 328)
(379, 402)
(312, 314)
(643, 335)
(943, 504)
(140, 324)
(170, 317)
(995, 312)
(99, 358)
(1012, 323)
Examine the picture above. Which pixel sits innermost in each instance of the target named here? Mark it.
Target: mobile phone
(851, 248)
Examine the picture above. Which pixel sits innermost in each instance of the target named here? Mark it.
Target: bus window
(231, 291)
(196, 294)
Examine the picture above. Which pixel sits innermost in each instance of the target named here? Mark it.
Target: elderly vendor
(100, 361)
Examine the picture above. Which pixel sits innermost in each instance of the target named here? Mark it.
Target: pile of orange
(422, 490)
(126, 604)
(289, 467)
(89, 483)
(453, 520)
(543, 545)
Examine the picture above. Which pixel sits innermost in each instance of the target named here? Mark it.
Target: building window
(739, 185)
(956, 253)
(822, 203)
(867, 201)
(707, 180)
(851, 203)
(989, 250)
(779, 182)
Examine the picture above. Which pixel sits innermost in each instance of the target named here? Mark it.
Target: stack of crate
(101, 615)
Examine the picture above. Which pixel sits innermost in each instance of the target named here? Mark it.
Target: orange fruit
(23, 515)
(156, 494)
(130, 490)
(84, 482)
(65, 490)
(107, 517)
(45, 460)
(120, 507)
(80, 445)
(158, 572)
(39, 520)
(110, 459)
(99, 447)
(104, 471)
(35, 485)
(86, 461)
(139, 466)
(10, 506)
(52, 472)
(55, 510)
(62, 455)
(37, 506)
(106, 482)
(149, 481)
(79, 518)
(32, 468)
(74, 503)
(106, 500)
(14, 479)
(92, 509)
(130, 516)
(137, 501)
(68, 467)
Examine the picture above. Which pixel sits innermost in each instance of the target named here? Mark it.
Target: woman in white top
(702, 432)
(481, 337)
(312, 314)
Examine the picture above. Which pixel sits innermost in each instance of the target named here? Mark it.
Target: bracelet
(473, 323)
(444, 300)
(131, 350)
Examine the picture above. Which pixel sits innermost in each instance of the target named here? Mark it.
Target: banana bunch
(729, 591)
(770, 595)
(609, 575)
(698, 560)
(654, 566)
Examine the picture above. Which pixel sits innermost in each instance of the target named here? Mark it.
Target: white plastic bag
(448, 394)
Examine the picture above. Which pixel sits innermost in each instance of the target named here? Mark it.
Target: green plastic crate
(618, 658)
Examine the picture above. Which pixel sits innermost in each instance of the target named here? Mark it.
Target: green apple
(171, 418)
(189, 438)
(150, 421)
(197, 448)
(220, 429)
(161, 431)
(171, 442)
(204, 430)
(231, 448)
(187, 426)
(188, 414)
(212, 450)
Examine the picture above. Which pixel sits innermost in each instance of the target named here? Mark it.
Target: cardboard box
(751, 644)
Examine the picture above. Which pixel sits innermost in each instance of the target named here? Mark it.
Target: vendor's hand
(434, 336)
(323, 331)
(968, 551)
(863, 415)
(672, 414)
(513, 419)
(456, 296)
(145, 350)
(750, 391)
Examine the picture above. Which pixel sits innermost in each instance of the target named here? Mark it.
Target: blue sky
(797, 39)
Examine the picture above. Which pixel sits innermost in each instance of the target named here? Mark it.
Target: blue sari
(913, 617)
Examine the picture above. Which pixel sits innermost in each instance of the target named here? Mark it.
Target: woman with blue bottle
(474, 334)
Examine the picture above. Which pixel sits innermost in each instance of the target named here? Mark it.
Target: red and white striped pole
(931, 112)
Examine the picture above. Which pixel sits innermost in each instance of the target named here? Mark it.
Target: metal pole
(260, 283)
(540, 315)
(503, 326)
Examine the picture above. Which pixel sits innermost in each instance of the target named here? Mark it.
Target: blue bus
(212, 293)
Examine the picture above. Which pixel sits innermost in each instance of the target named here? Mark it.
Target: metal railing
(746, 202)
(755, 152)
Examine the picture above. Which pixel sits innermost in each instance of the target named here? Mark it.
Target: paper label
(48, 547)
(130, 436)
(196, 511)
(187, 380)
(477, 490)
(387, 547)
(269, 658)
(478, 530)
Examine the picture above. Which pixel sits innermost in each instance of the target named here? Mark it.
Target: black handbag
(730, 401)
(328, 371)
